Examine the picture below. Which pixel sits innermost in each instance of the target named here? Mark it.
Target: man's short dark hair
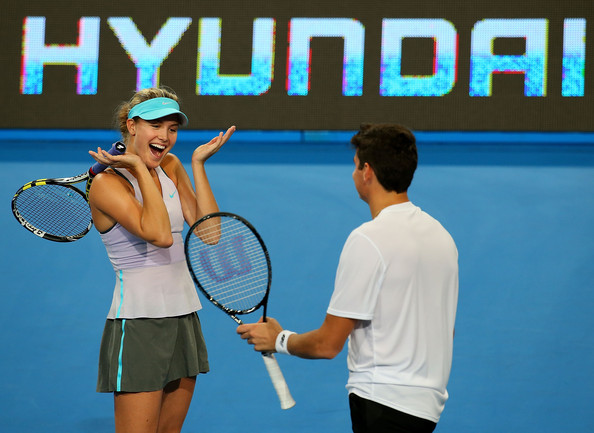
(390, 150)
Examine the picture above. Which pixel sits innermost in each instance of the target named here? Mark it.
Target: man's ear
(368, 173)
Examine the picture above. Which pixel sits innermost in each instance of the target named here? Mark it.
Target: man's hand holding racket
(261, 335)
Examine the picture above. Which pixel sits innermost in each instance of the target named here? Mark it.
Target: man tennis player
(395, 297)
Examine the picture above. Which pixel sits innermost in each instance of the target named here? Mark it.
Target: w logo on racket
(226, 260)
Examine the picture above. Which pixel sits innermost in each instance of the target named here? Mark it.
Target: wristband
(282, 341)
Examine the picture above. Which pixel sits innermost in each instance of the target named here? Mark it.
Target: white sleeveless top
(151, 282)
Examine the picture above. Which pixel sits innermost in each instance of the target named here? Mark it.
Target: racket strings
(252, 287)
(55, 209)
(229, 263)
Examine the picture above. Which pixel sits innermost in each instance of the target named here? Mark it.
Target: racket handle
(118, 148)
(278, 381)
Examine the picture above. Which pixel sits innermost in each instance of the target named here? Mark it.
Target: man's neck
(382, 201)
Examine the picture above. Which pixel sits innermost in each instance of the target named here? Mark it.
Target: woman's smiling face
(153, 139)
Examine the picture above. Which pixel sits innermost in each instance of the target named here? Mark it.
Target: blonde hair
(140, 96)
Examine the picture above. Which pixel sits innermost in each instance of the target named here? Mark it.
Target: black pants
(370, 417)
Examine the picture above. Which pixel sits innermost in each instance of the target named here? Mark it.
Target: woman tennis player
(152, 347)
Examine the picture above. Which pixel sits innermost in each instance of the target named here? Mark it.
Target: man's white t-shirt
(398, 275)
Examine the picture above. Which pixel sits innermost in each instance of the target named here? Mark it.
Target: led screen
(307, 65)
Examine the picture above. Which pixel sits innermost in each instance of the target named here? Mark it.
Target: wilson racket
(54, 209)
(230, 265)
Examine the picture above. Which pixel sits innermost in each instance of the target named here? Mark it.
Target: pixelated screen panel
(431, 65)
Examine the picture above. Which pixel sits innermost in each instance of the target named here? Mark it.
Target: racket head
(53, 209)
(229, 262)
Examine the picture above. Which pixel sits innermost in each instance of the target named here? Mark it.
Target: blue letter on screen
(533, 63)
(36, 54)
(441, 82)
(210, 82)
(301, 30)
(574, 57)
(148, 58)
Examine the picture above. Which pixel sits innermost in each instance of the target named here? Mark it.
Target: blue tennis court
(522, 216)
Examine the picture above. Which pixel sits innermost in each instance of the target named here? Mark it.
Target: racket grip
(118, 148)
(278, 381)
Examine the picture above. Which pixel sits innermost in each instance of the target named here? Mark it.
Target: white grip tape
(278, 381)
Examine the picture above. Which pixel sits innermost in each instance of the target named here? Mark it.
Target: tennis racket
(54, 209)
(230, 265)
